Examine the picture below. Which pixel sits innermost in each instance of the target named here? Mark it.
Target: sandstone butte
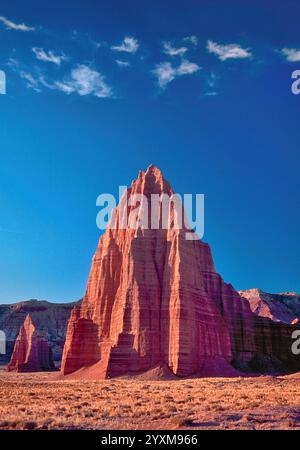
(31, 351)
(155, 300)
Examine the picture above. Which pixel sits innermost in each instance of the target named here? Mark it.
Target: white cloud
(291, 54)
(45, 83)
(122, 63)
(82, 80)
(212, 79)
(13, 63)
(42, 55)
(65, 87)
(172, 51)
(187, 68)
(211, 84)
(229, 51)
(85, 81)
(15, 26)
(192, 39)
(35, 83)
(31, 82)
(211, 94)
(166, 73)
(129, 45)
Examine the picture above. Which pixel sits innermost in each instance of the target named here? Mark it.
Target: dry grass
(38, 401)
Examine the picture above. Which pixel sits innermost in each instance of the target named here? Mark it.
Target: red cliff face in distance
(31, 351)
(154, 299)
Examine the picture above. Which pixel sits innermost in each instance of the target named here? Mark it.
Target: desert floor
(40, 401)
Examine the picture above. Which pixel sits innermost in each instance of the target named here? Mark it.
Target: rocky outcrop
(31, 351)
(154, 299)
(283, 307)
(50, 319)
(275, 317)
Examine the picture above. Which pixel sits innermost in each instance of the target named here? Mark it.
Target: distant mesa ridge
(283, 307)
(49, 318)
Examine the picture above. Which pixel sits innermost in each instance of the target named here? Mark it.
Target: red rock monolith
(154, 299)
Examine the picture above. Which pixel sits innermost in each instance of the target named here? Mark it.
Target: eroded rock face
(154, 298)
(31, 351)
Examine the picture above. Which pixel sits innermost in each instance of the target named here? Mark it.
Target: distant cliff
(50, 318)
(283, 307)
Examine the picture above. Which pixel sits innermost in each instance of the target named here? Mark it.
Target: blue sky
(98, 90)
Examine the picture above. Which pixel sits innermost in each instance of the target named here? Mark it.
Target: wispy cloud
(211, 94)
(166, 73)
(85, 81)
(123, 63)
(82, 80)
(49, 56)
(187, 68)
(172, 51)
(192, 39)
(31, 81)
(129, 45)
(13, 63)
(212, 79)
(7, 230)
(229, 51)
(291, 54)
(211, 83)
(10, 25)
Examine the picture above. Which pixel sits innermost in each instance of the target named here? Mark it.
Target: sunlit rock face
(31, 351)
(154, 299)
(283, 307)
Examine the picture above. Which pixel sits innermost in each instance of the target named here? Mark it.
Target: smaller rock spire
(31, 351)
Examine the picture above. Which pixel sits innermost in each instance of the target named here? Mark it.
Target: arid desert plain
(42, 401)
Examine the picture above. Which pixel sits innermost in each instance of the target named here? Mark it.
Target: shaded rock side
(274, 341)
